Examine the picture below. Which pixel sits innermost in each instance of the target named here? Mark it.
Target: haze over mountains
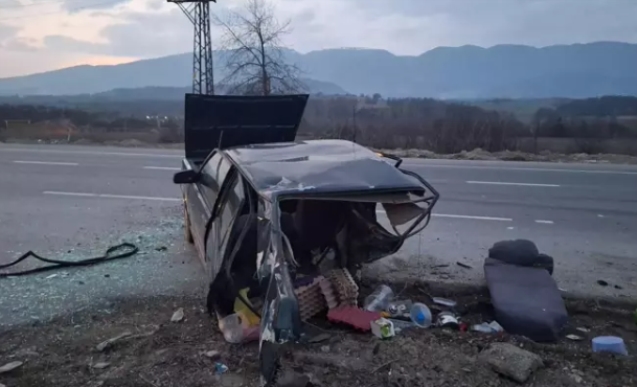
(467, 72)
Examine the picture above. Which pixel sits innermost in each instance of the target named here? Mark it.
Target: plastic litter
(232, 328)
(444, 302)
(236, 330)
(244, 310)
(383, 328)
(574, 337)
(447, 320)
(420, 314)
(401, 325)
(610, 344)
(220, 368)
(492, 327)
(379, 300)
(399, 308)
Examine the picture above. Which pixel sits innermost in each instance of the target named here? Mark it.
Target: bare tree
(254, 54)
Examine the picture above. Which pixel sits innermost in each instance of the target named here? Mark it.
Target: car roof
(318, 166)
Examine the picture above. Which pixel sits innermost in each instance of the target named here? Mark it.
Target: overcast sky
(42, 35)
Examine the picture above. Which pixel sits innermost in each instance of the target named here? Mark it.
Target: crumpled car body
(262, 215)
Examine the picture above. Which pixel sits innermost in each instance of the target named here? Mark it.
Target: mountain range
(467, 72)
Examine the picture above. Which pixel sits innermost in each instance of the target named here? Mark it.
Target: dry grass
(131, 140)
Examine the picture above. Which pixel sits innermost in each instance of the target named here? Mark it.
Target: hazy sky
(41, 35)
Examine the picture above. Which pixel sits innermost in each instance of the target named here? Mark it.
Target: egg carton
(310, 298)
(345, 288)
(328, 293)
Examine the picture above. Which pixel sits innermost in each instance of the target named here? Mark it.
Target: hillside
(467, 72)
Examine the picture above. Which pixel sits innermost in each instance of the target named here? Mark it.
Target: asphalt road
(72, 201)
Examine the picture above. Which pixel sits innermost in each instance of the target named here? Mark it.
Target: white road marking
(163, 168)
(509, 183)
(463, 217)
(544, 221)
(472, 217)
(92, 153)
(505, 168)
(45, 162)
(111, 196)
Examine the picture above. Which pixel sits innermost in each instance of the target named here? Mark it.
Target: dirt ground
(163, 353)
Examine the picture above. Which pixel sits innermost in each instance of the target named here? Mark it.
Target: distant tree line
(440, 126)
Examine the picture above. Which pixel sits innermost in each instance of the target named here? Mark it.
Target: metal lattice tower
(198, 12)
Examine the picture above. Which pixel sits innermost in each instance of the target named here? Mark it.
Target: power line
(80, 8)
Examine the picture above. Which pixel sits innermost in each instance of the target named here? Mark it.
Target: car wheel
(187, 229)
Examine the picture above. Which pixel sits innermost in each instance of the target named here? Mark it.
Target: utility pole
(198, 12)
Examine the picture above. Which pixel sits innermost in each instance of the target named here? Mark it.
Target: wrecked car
(264, 210)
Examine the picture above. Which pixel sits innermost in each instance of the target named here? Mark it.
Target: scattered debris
(492, 327)
(237, 329)
(220, 368)
(602, 283)
(354, 317)
(401, 325)
(574, 337)
(178, 316)
(399, 308)
(421, 315)
(511, 361)
(10, 366)
(447, 320)
(350, 358)
(101, 365)
(464, 265)
(610, 344)
(383, 328)
(108, 343)
(444, 302)
(379, 300)
(583, 330)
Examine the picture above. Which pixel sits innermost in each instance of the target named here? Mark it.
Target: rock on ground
(511, 361)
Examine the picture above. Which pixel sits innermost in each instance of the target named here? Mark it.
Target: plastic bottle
(379, 299)
(420, 315)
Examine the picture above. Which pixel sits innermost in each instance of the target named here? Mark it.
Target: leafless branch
(254, 53)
